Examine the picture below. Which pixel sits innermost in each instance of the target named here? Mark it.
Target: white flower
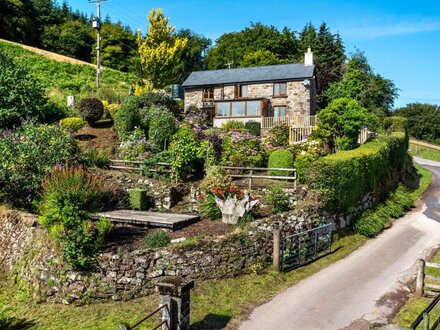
(303, 153)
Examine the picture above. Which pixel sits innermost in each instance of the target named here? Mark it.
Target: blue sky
(400, 38)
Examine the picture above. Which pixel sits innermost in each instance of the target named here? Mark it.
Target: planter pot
(231, 219)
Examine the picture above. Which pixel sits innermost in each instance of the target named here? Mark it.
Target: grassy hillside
(61, 78)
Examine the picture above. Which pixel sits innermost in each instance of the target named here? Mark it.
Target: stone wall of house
(300, 99)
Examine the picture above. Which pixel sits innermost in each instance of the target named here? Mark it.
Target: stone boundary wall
(126, 275)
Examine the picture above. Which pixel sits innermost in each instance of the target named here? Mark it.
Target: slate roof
(257, 74)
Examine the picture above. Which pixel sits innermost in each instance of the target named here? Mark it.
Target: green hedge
(345, 177)
(280, 159)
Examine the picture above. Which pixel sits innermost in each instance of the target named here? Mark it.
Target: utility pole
(96, 23)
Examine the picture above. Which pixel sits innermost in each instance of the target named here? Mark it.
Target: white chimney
(308, 57)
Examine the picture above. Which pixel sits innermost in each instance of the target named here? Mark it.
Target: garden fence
(139, 166)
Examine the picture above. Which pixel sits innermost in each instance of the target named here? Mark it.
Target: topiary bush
(138, 199)
(26, 156)
(91, 110)
(253, 127)
(127, 118)
(162, 125)
(280, 159)
(72, 124)
(71, 196)
(233, 124)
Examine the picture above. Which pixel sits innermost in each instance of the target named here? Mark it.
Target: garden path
(366, 285)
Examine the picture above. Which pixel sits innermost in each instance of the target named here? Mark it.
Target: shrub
(21, 95)
(162, 125)
(185, 149)
(196, 117)
(346, 176)
(395, 124)
(279, 136)
(70, 196)
(254, 127)
(127, 118)
(96, 157)
(138, 199)
(160, 171)
(112, 109)
(91, 109)
(242, 149)
(233, 124)
(157, 239)
(135, 147)
(26, 156)
(72, 124)
(277, 199)
(280, 159)
(215, 177)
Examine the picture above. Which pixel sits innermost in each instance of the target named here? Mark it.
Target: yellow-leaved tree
(160, 50)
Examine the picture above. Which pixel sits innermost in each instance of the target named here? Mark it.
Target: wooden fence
(422, 144)
(427, 285)
(139, 166)
(237, 172)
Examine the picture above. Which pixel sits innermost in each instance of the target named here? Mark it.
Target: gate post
(276, 254)
(420, 280)
(175, 293)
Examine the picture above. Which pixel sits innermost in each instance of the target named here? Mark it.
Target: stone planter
(233, 209)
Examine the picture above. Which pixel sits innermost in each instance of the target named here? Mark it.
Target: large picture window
(208, 94)
(239, 108)
(280, 89)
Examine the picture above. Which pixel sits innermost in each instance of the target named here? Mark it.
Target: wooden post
(250, 180)
(276, 249)
(420, 280)
(425, 321)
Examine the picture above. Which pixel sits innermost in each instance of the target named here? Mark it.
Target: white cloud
(384, 29)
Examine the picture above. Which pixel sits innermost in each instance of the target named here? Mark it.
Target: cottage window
(240, 91)
(280, 89)
(223, 109)
(279, 111)
(208, 94)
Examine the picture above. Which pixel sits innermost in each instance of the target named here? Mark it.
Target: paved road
(351, 289)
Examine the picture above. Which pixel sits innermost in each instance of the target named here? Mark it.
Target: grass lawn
(215, 304)
(424, 153)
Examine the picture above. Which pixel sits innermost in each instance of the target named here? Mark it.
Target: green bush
(162, 125)
(157, 239)
(185, 149)
(26, 156)
(160, 171)
(138, 199)
(71, 196)
(135, 146)
(91, 109)
(279, 136)
(280, 159)
(277, 199)
(233, 124)
(395, 124)
(127, 118)
(345, 177)
(72, 124)
(253, 127)
(94, 157)
(215, 177)
(242, 149)
(21, 95)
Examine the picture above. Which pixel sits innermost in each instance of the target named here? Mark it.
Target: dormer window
(208, 94)
(280, 89)
(240, 91)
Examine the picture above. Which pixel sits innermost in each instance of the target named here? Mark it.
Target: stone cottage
(266, 94)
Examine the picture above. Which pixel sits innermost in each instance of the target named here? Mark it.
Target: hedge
(280, 159)
(345, 177)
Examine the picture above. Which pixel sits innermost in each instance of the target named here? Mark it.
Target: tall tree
(360, 83)
(159, 50)
(231, 48)
(329, 56)
(259, 58)
(17, 20)
(193, 56)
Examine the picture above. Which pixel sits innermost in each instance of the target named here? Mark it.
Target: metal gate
(304, 247)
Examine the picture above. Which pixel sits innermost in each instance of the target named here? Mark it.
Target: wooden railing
(423, 144)
(163, 324)
(297, 121)
(249, 172)
(297, 134)
(139, 166)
